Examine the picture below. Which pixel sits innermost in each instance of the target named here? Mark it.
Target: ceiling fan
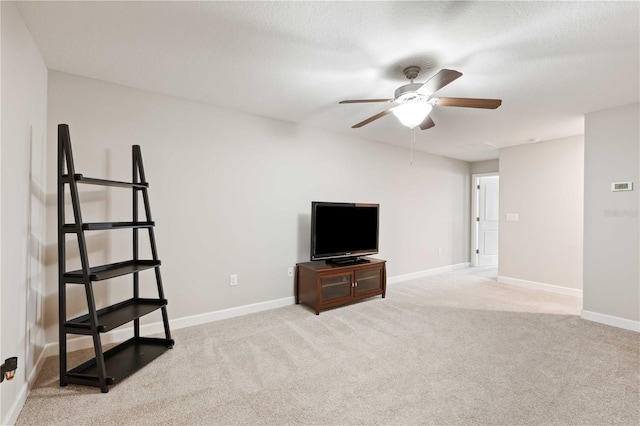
(415, 100)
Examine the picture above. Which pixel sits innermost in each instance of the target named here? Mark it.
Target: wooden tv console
(323, 285)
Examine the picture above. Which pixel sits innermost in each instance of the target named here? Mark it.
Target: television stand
(348, 261)
(322, 285)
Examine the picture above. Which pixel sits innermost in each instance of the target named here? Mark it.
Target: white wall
(24, 109)
(543, 184)
(487, 166)
(611, 219)
(231, 193)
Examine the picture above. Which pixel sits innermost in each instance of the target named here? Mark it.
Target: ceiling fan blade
(370, 119)
(427, 123)
(469, 102)
(438, 81)
(360, 101)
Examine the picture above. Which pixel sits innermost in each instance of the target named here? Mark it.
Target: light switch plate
(512, 217)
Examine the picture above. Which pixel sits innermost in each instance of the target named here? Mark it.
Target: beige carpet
(455, 348)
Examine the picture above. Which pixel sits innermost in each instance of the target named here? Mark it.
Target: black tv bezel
(342, 255)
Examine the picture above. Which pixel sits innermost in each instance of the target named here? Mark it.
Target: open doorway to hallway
(485, 219)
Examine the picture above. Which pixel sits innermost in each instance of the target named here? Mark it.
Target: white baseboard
(16, 407)
(123, 334)
(229, 313)
(541, 286)
(611, 320)
(14, 411)
(426, 273)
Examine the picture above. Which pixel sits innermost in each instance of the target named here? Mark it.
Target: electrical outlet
(8, 369)
(233, 279)
(440, 251)
(290, 272)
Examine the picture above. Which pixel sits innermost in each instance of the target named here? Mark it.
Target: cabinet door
(335, 286)
(368, 280)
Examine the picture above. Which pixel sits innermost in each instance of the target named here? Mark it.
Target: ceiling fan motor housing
(408, 93)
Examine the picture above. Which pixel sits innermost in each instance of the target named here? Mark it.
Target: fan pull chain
(413, 139)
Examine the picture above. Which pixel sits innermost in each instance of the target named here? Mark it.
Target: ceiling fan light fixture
(412, 114)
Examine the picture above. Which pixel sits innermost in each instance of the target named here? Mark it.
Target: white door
(1, 353)
(487, 220)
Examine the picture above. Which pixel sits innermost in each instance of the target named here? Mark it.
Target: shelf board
(105, 226)
(105, 182)
(116, 315)
(112, 270)
(120, 361)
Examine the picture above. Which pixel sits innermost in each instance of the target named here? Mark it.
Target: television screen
(343, 230)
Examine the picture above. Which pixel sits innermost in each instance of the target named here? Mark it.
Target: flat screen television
(342, 232)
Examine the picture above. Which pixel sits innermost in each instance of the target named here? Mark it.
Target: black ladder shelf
(109, 367)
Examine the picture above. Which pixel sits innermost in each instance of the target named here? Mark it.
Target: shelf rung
(105, 182)
(105, 226)
(112, 270)
(83, 379)
(115, 315)
(120, 361)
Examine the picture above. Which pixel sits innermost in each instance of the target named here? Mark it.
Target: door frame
(474, 214)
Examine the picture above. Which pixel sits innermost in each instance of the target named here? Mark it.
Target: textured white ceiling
(550, 62)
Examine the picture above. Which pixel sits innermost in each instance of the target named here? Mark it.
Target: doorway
(1, 353)
(485, 219)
